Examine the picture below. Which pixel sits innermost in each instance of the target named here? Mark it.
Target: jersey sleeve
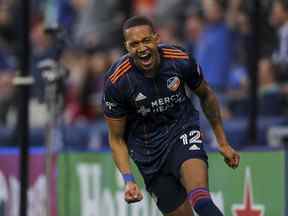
(192, 73)
(113, 102)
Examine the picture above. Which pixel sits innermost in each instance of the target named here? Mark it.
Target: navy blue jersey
(158, 109)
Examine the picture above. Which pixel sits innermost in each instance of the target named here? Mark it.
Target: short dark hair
(137, 21)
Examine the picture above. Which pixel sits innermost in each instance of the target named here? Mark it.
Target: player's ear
(126, 46)
(125, 41)
(157, 37)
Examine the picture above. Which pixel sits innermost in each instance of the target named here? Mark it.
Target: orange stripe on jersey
(119, 68)
(176, 56)
(172, 53)
(123, 68)
(114, 79)
(120, 71)
(176, 53)
(173, 50)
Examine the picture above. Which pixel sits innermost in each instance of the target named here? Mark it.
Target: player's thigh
(194, 174)
(167, 192)
(183, 210)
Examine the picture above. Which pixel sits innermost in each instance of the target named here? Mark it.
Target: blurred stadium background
(242, 46)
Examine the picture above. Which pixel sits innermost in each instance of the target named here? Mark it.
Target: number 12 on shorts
(194, 136)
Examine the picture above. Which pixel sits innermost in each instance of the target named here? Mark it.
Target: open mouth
(146, 59)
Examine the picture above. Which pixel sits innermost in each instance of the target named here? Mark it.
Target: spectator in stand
(214, 50)
(7, 91)
(84, 93)
(8, 62)
(279, 19)
(167, 31)
(76, 61)
(90, 21)
(85, 83)
(270, 96)
(193, 29)
(92, 94)
(8, 24)
(238, 81)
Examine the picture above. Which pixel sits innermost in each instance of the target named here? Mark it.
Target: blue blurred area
(87, 136)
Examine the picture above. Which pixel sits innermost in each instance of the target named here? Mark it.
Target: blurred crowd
(218, 33)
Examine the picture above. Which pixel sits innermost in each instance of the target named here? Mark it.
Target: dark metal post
(23, 81)
(253, 49)
(285, 178)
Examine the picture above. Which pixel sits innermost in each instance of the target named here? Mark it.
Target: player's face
(141, 42)
(278, 16)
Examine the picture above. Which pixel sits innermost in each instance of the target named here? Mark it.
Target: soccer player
(152, 120)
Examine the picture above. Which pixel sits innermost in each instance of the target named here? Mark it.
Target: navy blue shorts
(165, 186)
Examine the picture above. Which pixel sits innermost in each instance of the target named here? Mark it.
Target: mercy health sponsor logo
(248, 207)
(97, 200)
(9, 196)
(162, 104)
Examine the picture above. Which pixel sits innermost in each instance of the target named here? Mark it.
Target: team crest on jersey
(173, 83)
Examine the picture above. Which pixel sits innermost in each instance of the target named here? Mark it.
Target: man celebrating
(151, 118)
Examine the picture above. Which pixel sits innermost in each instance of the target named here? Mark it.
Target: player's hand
(231, 157)
(132, 193)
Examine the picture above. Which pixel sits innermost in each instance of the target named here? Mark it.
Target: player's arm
(121, 158)
(117, 143)
(210, 106)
